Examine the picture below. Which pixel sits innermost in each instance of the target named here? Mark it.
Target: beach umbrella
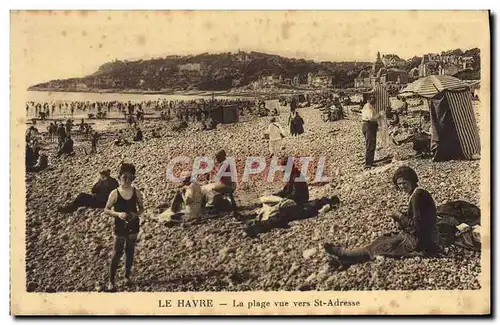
(430, 86)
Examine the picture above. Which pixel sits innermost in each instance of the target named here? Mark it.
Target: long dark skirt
(299, 127)
(397, 245)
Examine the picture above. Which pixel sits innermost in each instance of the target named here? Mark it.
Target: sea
(62, 97)
(56, 96)
(67, 97)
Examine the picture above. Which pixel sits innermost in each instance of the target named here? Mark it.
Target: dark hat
(105, 172)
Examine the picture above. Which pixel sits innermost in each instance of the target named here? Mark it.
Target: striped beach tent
(382, 102)
(452, 115)
(382, 98)
(430, 86)
(454, 131)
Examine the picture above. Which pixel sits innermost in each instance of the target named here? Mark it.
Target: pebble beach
(71, 252)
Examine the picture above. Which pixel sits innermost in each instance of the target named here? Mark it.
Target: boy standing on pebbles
(125, 204)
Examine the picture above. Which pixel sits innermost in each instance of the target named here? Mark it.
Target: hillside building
(380, 74)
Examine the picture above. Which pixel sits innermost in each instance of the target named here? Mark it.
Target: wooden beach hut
(225, 114)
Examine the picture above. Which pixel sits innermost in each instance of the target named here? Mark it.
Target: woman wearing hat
(296, 188)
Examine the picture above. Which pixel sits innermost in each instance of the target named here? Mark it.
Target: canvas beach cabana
(225, 114)
(382, 97)
(454, 133)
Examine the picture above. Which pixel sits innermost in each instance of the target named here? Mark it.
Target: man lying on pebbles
(290, 204)
(100, 193)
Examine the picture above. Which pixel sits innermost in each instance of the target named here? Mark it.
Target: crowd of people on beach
(36, 154)
(188, 110)
(181, 111)
(419, 235)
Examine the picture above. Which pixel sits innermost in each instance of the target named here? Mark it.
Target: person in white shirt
(187, 201)
(275, 133)
(370, 127)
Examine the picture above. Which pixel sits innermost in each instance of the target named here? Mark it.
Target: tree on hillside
(475, 54)
(468, 74)
(457, 52)
(433, 67)
(415, 62)
(217, 71)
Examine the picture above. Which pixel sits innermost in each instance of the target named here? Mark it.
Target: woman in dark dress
(299, 123)
(418, 235)
(30, 156)
(293, 104)
(125, 204)
(291, 123)
(138, 135)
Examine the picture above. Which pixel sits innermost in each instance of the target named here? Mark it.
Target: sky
(58, 45)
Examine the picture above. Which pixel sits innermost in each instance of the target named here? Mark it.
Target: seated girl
(418, 226)
(295, 189)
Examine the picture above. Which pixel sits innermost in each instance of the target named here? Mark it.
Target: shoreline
(131, 91)
(199, 93)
